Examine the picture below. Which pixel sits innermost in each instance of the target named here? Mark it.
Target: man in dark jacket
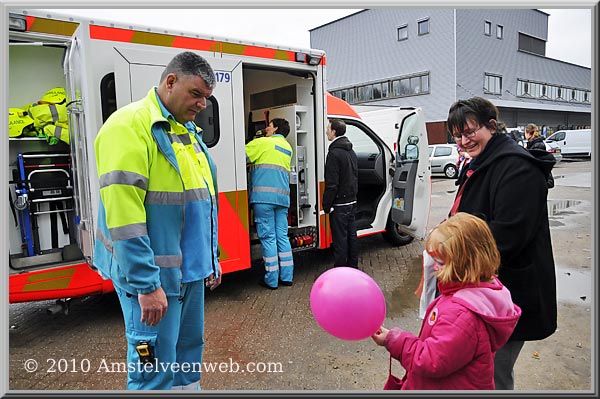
(339, 198)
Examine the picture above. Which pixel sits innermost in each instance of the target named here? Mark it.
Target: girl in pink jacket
(470, 320)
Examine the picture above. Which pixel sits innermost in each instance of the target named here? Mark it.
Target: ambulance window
(108, 96)
(208, 120)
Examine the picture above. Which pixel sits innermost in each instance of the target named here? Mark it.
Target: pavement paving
(257, 339)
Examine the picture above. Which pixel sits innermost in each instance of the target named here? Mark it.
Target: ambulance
(104, 65)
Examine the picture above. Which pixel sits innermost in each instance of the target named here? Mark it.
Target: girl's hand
(379, 336)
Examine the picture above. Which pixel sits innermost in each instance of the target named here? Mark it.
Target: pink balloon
(347, 303)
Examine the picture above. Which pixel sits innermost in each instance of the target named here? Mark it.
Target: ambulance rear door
(137, 70)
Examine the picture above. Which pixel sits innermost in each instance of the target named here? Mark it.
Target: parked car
(553, 148)
(443, 159)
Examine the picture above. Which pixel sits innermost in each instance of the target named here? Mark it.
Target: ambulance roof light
(309, 59)
(17, 23)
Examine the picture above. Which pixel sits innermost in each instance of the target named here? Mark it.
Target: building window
(423, 26)
(410, 85)
(492, 84)
(402, 32)
(499, 31)
(425, 83)
(531, 44)
(385, 90)
(376, 90)
(547, 91)
(487, 28)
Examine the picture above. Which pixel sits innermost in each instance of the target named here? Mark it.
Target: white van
(573, 143)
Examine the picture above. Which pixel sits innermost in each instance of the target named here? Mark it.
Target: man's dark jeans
(343, 230)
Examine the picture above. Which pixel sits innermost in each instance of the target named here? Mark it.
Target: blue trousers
(272, 228)
(177, 340)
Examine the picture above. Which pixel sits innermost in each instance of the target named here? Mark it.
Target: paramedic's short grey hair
(188, 63)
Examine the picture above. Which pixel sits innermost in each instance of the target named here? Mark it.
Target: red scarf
(460, 192)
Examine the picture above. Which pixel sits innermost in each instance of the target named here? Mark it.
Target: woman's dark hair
(282, 125)
(475, 109)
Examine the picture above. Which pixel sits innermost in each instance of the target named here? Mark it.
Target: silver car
(443, 159)
(554, 149)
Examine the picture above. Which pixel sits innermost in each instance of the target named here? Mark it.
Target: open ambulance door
(136, 71)
(411, 185)
(80, 148)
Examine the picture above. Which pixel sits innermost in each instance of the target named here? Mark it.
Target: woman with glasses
(506, 186)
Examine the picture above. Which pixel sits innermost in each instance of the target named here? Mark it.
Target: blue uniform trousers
(176, 341)
(272, 229)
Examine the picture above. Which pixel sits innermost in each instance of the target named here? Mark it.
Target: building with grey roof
(431, 57)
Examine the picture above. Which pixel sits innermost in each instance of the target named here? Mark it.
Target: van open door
(411, 185)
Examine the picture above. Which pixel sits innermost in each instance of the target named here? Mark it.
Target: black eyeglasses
(466, 135)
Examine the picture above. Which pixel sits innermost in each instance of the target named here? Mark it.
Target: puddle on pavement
(556, 207)
(574, 286)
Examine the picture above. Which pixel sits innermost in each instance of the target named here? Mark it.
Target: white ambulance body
(105, 65)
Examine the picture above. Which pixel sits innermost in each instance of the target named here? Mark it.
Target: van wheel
(450, 171)
(394, 236)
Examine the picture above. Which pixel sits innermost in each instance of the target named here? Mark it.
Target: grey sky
(569, 31)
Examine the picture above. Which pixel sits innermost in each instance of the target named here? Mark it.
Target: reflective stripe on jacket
(270, 171)
(51, 120)
(157, 210)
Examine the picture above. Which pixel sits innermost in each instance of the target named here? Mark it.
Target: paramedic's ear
(171, 79)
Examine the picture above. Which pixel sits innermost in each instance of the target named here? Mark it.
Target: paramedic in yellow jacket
(157, 225)
(270, 197)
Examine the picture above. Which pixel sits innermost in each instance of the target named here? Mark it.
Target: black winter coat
(537, 148)
(341, 174)
(508, 190)
(536, 143)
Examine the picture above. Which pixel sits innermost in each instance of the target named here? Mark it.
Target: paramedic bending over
(270, 157)
(155, 172)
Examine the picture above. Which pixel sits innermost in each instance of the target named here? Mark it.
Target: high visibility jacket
(56, 132)
(270, 170)
(20, 123)
(51, 121)
(158, 201)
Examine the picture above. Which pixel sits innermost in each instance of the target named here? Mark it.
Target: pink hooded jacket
(462, 330)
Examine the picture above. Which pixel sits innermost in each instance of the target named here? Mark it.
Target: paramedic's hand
(213, 282)
(379, 336)
(154, 306)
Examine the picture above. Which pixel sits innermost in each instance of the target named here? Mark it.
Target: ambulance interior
(43, 228)
(269, 94)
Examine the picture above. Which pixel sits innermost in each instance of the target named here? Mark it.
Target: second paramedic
(157, 224)
(270, 157)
